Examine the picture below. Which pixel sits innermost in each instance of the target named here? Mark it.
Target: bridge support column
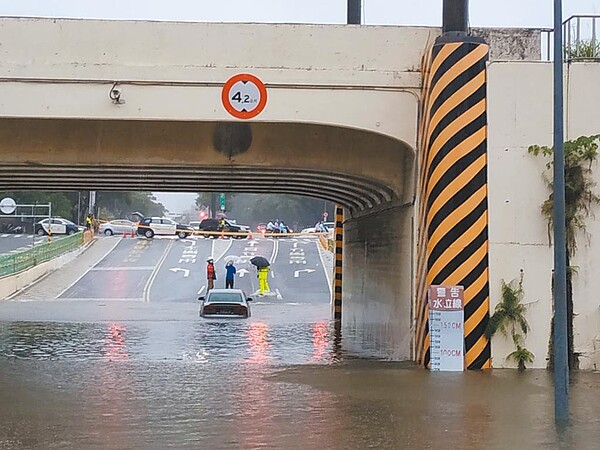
(453, 219)
(378, 283)
(339, 253)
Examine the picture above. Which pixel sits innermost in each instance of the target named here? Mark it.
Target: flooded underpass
(81, 370)
(252, 384)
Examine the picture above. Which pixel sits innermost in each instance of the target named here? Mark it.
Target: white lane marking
(272, 274)
(154, 274)
(111, 269)
(275, 250)
(103, 299)
(326, 272)
(279, 297)
(186, 272)
(4, 235)
(89, 269)
(225, 251)
(201, 290)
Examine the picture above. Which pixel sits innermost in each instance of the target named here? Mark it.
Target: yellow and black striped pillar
(339, 252)
(453, 217)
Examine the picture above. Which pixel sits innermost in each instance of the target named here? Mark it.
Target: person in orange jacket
(211, 275)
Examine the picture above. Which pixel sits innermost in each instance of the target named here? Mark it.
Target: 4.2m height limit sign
(244, 96)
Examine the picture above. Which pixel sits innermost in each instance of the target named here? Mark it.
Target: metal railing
(12, 263)
(581, 37)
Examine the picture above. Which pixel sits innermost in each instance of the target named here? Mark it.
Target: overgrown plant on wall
(580, 198)
(509, 318)
(583, 50)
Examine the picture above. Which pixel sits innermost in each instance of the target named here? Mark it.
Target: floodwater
(256, 384)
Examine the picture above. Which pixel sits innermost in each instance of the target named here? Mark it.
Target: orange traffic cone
(222, 235)
(250, 236)
(124, 234)
(132, 235)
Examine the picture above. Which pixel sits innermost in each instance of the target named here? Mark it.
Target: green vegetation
(580, 199)
(509, 316)
(584, 50)
(74, 205)
(521, 356)
(296, 211)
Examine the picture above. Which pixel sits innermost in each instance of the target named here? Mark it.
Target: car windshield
(227, 297)
(68, 222)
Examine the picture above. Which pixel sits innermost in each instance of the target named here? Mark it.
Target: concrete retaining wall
(376, 312)
(14, 283)
(520, 114)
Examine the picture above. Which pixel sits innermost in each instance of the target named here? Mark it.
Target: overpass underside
(318, 161)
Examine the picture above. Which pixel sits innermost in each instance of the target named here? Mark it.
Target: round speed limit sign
(244, 96)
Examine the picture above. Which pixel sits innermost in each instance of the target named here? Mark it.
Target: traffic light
(222, 201)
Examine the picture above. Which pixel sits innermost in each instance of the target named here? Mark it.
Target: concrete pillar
(339, 252)
(453, 220)
(378, 286)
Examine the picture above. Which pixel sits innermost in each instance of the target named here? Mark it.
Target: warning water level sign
(244, 96)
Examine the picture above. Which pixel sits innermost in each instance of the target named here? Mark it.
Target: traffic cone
(250, 236)
(124, 234)
(132, 235)
(222, 235)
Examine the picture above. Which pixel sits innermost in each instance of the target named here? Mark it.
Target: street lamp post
(560, 347)
(354, 13)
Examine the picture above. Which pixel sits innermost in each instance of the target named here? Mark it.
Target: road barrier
(12, 263)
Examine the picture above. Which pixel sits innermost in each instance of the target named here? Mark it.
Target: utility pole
(354, 12)
(455, 17)
(92, 202)
(560, 347)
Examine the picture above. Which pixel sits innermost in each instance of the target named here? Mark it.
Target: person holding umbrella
(262, 264)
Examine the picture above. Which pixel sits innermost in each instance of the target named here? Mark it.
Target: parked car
(329, 225)
(225, 303)
(214, 225)
(117, 226)
(56, 225)
(151, 226)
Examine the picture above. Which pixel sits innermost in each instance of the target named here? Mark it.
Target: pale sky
(502, 13)
(499, 13)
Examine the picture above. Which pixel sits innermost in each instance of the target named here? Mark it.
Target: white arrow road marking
(251, 243)
(186, 272)
(297, 272)
(201, 290)
(242, 272)
(190, 241)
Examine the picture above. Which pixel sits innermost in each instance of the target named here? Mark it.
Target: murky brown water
(254, 385)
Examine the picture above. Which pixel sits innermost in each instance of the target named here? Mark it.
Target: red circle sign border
(244, 114)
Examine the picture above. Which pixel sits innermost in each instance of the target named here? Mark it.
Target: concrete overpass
(341, 123)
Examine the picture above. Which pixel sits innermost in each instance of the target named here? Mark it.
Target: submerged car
(225, 303)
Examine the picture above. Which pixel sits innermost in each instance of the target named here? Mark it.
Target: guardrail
(581, 39)
(13, 263)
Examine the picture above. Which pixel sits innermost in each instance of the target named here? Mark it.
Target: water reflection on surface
(259, 384)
